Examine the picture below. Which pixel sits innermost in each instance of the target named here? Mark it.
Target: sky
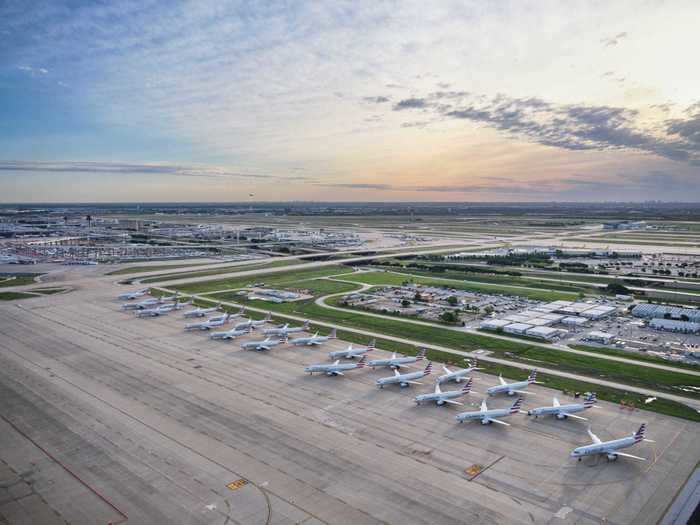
(211, 100)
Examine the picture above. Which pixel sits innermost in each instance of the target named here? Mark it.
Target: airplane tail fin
(428, 369)
(467, 386)
(639, 434)
(305, 325)
(590, 400)
(421, 354)
(371, 344)
(516, 406)
(532, 377)
(332, 334)
(361, 363)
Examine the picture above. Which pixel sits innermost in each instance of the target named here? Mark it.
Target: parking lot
(110, 414)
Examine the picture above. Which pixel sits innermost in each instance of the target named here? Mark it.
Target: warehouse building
(671, 325)
(517, 328)
(545, 332)
(660, 311)
(575, 322)
(599, 337)
(494, 324)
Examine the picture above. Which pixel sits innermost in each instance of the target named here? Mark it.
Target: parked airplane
(180, 306)
(405, 379)
(313, 340)
(266, 344)
(286, 329)
(229, 334)
(335, 369)
(441, 397)
(170, 297)
(146, 303)
(512, 388)
(209, 323)
(397, 362)
(251, 324)
(351, 352)
(157, 311)
(128, 296)
(565, 411)
(201, 312)
(611, 448)
(457, 375)
(488, 416)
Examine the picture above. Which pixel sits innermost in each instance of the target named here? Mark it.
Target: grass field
(385, 278)
(218, 271)
(17, 280)
(504, 280)
(293, 279)
(47, 291)
(12, 296)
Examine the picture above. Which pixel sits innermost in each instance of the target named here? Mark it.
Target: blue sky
(212, 101)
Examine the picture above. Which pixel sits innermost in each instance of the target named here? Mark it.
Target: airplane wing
(452, 402)
(623, 454)
(484, 408)
(523, 392)
(338, 373)
(263, 347)
(595, 438)
(437, 388)
(503, 382)
(447, 370)
(555, 402)
(577, 417)
(413, 382)
(396, 372)
(491, 420)
(336, 361)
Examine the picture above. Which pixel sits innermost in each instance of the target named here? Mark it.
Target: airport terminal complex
(289, 364)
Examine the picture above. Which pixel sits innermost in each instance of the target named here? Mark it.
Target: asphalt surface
(105, 416)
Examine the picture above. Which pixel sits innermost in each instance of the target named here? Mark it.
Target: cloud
(410, 103)
(613, 40)
(566, 126)
(117, 168)
(356, 185)
(376, 100)
(33, 71)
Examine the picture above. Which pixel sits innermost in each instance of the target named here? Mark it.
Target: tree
(452, 300)
(488, 309)
(449, 316)
(405, 303)
(617, 289)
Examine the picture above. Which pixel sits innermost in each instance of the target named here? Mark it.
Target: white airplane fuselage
(348, 354)
(439, 398)
(606, 447)
(402, 379)
(457, 375)
(330, 369)
(559, 412)
(509, 388)
(484, 416)
(393, 362)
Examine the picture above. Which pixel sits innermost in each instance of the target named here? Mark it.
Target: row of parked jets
(278, 335)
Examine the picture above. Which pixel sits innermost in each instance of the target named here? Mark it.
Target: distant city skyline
(146, 101)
